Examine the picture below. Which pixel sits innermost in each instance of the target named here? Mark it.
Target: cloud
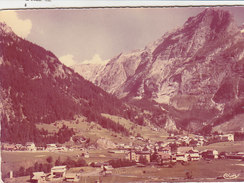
(96, 59)
(67, 60)
(21, 27)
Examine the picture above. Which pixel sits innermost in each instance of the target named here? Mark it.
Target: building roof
(142, 152)
(38, 175)
(51, 145)
(164, 148)
(71, 175)
(184, 149)
(29, 143)
(59, 168)
(193, 151)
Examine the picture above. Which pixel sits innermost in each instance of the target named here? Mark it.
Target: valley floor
(203, 170)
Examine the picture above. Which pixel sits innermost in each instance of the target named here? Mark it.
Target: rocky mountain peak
(217, 19)
(191, 69)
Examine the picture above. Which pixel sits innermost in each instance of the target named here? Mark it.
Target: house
(107, 167)
(38, 177)
(211, 154)
(30, 146)
(166, 150)
(193, 155)
(72, 177)
(51, 147)
(61, 149)
(224, 138)
(8, 147)
(19, 147)
(164, 158)
(58, 172)
(181, 157)
(136, 155)
(227, 137)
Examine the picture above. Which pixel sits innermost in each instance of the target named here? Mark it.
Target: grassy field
(94, 131)
(201, 171)
(87, 129)
(236, 146)
(145, 131)
(14, 160)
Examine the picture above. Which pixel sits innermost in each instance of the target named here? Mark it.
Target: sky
(92, 35)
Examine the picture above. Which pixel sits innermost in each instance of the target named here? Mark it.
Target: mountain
(195, 72)
(89, 71)
(90, 68)
(37, 88)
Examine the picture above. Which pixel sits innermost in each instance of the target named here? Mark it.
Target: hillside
(194, 72)
(37, 88)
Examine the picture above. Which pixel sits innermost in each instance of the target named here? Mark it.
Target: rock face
(89, 71)
(196, 69)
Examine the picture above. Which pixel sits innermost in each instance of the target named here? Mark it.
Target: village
(175, 150)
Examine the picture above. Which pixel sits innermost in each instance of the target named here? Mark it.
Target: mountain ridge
(37, 88)
(194, 69)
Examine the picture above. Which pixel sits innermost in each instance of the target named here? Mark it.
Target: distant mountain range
(195, 73)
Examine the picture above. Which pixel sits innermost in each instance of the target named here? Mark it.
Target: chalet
(30, 146)
(107, 167)
(185, 140)
(72, 177)
(211, 154)
(181, 157)
(51, 147)
(139, 138)
(58, 172)
(193, 155)
(166, 150)
(8, 147)
(164, 157)
(227, 137)
(19, 147)
(61, 149)
(38, 177)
